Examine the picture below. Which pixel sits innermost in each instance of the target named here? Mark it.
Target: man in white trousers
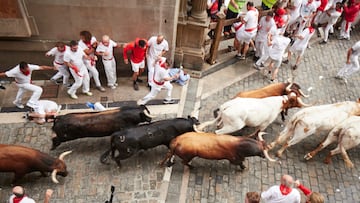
(88, 43)
(161, 80)
(106, 50)
(63, 71)
(46, 111)
(74, 60)
(157, 47)
(22, 74)
(352, 63)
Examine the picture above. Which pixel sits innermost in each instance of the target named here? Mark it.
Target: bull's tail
(104, 157)
(199, 128)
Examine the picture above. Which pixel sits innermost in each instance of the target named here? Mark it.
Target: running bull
(127, 142)
(97, 124)
(314, 120)
(22, 160)
(216, 147)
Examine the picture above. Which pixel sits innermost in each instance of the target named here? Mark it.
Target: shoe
(136, 86)
(238, 56)
(54, 81)
(345, 81)
(31, 105)
(323, 42)
(139, 80)
(101, 89)
(338, 77)
(226, 34)
(88, 93)
(72, 96)
(112, 87)
(341, 37)
(67, 85)
(19, 105)
(257, 67)
(171, 101)
(294, 67)
(115, 84)
(286, 61)
(140, 102)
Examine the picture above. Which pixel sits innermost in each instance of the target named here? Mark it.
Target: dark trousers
(229, 15)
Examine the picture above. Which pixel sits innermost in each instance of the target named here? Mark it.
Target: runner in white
(22, 74)
(328, 20)
(161, 80)
(158, 46)
(88, 43)
(307, 12)
(63, 71)
(46, 111)
(266, 23)
(352, 63)
(106, 50)
(73, 58)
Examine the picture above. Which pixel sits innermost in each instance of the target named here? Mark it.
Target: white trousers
(155, 89)
(84, 80)
(151, 66)
(93, 72)
(351, 68)
(110, 71)
(63, 71)
(327, 30)
(345, 29)
(28, 87)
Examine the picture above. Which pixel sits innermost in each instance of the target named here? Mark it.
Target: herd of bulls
(131, 130)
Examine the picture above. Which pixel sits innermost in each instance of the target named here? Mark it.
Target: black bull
(97, 124)
(129, 141)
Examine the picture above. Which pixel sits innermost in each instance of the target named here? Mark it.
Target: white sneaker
(19, 105)
(88, 93)
(31, 105)
(112, 87)
(72, 96)
(140, 102)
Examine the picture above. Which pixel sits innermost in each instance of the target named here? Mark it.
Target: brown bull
(22, 160)
(216, 147)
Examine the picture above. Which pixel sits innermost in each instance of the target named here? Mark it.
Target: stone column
(198, 10)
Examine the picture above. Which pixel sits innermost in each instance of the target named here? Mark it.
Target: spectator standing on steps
(352, 63)
(137, 51)
(63, 71)
(161, 80)
(22, 74)
(88, 43)
(106, 50)
(233, 11)
(157, 48)
(74, 60)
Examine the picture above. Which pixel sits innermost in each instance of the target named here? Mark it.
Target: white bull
(252, 112)
(347, 134)
(314, 119)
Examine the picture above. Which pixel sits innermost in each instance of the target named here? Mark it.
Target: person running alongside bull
(161, 80)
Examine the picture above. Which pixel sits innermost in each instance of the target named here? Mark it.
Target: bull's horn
(196, 129)
(288, 87)
(268, 157)
(302, 103)
(53, 176)
(302, 94)
(260, 134)
(61, 157)
(148, 115)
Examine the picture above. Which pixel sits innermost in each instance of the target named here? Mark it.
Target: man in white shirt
(161, 80)
(88, 43)
(45, 111)
(266, 23)
(73, 58)
(352, 63)
(106, 50)
(22, 74)
(294, 9)
(246, 30)
(328, 19)
(283, 193)
(19, 196)
(157, 48)
(307, 12)
(63, 71)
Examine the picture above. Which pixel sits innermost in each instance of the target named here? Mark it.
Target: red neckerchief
(285, 190)
(162, 64)
(88, 44)
(252, 9)
(27, 72)
(63, 50)
(18, 199)
(311, 29)
(338, 10)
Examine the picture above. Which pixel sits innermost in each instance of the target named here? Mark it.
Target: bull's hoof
(349, 164)
(278, 154)
(308, 156)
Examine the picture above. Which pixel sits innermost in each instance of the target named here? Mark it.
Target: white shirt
(59, 56)
(46, 106)
(20, 78)
(155, 49)
(84, 46)
(307, 9)
(75, 58)
(356, 49)
(251, 19)
(110, 49)
(24, 200)
(279, 44)
(295, 12)
(334, 16)
(273, 195)
(301, 44)
(160, 73)
(264, 28)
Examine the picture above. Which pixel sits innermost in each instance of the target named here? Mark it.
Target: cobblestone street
(141, 180)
